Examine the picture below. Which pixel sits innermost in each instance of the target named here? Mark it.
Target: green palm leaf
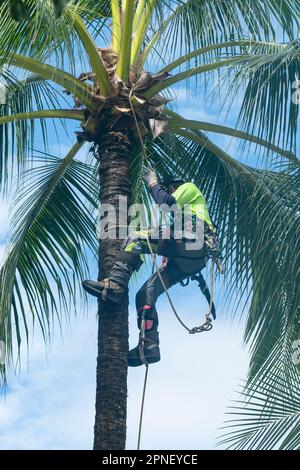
(270, 105)
(16, 140)
(179, 123)
(197, 23)
(46, 257)
(270, 419)
(268, 85)
(44, 35)
(256, 209)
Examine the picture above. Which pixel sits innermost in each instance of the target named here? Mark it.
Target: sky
(49, 404)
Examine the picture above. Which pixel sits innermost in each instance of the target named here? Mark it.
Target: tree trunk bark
(111, 393)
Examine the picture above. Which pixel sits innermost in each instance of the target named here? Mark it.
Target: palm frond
(274, 310)
(56, 75)
(179, 123)
(16, 140)
(269, 88)
(266, 419)
(46, 258)
(142, 19)
(198, 23)
(126, 40)
(44, 35)
(93, 54)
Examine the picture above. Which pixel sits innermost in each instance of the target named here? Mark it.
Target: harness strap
(205, 291)
(142, 339)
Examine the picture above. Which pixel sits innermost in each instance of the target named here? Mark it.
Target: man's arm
(161, 196)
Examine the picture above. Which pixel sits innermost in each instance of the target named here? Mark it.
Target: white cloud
(51, 406)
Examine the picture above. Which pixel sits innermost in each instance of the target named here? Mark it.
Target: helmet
(171, 179)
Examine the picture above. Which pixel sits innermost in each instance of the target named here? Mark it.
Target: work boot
(151, 350)
(114, 287)
(107, 289)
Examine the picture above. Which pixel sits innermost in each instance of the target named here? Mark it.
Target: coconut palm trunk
(111, 393)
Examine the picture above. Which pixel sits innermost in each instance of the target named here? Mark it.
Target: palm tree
(122, 106)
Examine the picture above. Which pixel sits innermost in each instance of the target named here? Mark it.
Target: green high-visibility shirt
(190, 196)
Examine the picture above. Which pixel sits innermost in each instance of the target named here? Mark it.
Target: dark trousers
(181, 264)
(153, 288)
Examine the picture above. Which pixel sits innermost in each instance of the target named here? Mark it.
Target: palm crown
(255, 208)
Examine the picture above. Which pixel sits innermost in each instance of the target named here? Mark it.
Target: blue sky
(50, 403)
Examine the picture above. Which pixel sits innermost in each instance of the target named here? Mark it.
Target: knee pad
(149, 314)
(141, 298)
(131, 258)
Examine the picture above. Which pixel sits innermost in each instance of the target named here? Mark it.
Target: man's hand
(150, 177)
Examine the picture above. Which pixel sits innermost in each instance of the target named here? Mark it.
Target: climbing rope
(144, 361)
(207, 325)
(142, 408)
(137, 124)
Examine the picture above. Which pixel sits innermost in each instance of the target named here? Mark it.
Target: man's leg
(128, 261)
(146, 312)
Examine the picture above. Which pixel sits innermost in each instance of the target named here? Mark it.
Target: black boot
(113, 288)
(147, 351)
(150, 352)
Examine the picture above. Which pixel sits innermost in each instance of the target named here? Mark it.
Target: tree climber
(182, 259)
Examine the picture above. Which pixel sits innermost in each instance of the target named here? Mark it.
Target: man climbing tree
(185, 255)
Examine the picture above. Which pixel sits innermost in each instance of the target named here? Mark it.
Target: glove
(150, 177)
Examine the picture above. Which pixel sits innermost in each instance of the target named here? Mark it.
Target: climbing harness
(207, 325)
